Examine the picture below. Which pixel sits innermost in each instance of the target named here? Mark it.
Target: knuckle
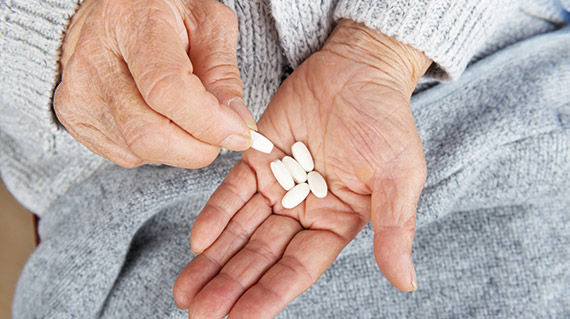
(226, 14)
(207, 157)
(129, 163)
(217, 16)
(125, 158)
(64, 109)
(223, 74)
(261, 249)
(120, 156)
(205, 129)
(131, 13)
(159, 89)
(60, 99)
(74, 101)
(237, 230)
(129, 20)
(63, 94)
(216, 8)
(156, 85)
(73, 88)
(409, 225)
(144, 140)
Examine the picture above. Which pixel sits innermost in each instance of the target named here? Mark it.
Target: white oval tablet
(260, 142)
(296, 170)
(317, 184)
(295, 196)
(282, 174)
(303, 156)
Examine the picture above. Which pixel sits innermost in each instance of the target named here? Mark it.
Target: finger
(234, 192)
(100, 144)
(163, 73)
(213, 40)
(97, 142)
(266, 182)
(206, 265)
(394, 222)
(104, 91)
(148, 134)
(244, 269)
(306, 258)
(84, 117)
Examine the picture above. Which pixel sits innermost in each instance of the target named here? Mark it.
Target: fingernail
(414, 281)
(237, 142)
(251, 124)
(193, 252)
(239, 106)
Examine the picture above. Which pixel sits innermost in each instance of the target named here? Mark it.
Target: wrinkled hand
(349, 103)
(153, 81)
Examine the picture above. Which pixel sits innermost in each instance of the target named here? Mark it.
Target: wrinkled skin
(349, 103)
(143, 79)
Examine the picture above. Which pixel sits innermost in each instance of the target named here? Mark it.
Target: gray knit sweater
(41, 161)
(493, 229)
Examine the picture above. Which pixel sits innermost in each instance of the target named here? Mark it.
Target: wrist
(402, 63)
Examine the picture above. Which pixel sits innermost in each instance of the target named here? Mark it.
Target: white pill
(295, 196)
(282, 174)
(317, 184)
(303, 156)
(296, 170)
(260, 142)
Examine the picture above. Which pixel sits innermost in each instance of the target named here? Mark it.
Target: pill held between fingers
(303, 156)
(295, 196)
(317, 184)
(296, 170)
(282, 174)
(260, 142)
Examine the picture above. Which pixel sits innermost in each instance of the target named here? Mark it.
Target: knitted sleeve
(447, 31)
(38, 159)
(32, 32)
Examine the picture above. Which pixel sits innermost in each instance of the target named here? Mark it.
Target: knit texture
(493, 236)
(448, 32)
(304, 27)
(492, 222)
(39, 160)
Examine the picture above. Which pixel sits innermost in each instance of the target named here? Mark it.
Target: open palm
(256, 256)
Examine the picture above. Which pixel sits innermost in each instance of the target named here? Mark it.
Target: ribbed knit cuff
(32, 32)
(303, 26)
(38, 160)
(448, 32)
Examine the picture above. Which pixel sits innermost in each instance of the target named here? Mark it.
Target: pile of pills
(295, 174)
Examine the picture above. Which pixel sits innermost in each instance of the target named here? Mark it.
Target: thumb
(158, 62)
(213, 32)
(394, 224)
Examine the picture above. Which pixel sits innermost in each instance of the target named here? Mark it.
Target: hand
(153, 81)
(349, 103)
